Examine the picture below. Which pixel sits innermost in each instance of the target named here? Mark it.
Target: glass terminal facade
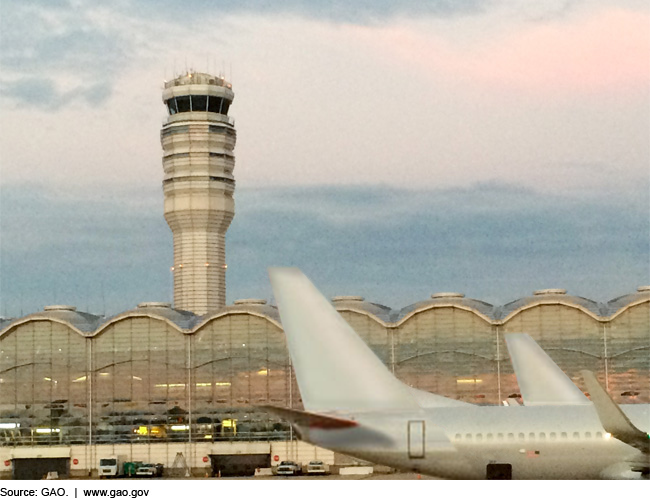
(155, 374)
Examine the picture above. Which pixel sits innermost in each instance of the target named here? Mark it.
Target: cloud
(43, 93)
(603, 49)
(493, 242)
(356, 11)
(65, 50)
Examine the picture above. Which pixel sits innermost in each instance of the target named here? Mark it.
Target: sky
(389, 149)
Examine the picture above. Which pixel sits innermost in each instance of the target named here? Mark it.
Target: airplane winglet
(612, 417)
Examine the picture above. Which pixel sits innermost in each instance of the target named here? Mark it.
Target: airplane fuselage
(474, 442)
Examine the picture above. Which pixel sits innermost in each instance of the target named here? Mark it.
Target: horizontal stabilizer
(310, 420)
(541, 381)
(612, 417)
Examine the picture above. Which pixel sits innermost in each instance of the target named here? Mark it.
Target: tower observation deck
(198, 138)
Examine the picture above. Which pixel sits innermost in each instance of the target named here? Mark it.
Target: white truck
(110, 467)
(289, 468)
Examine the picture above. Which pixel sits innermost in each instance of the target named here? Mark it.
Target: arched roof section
(82, 323)
(482, 309)
(381, 314)
(619, 305)
(183, 321)
(254, 307)
(4, 322)
(550, 297)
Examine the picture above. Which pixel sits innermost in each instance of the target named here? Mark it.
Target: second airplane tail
(541, 381)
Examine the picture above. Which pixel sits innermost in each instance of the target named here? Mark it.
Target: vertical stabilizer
(335, 369)
(540, 380)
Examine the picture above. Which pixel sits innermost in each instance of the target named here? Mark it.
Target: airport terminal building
(157, 381)
(155, 378)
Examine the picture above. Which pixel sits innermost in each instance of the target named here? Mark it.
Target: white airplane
(543, 383)
(355, 406)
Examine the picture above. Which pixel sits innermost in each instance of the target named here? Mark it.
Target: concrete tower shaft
(198, 139)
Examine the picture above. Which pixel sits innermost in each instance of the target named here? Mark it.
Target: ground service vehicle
(289, 468)
(317, 467)
(109, 467)
(149, 470)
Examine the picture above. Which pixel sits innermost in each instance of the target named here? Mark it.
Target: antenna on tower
(103, 300)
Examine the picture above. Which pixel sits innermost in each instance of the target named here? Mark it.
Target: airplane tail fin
(335, 369)
(540, 380)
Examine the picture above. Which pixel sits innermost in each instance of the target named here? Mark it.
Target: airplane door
(415, 438)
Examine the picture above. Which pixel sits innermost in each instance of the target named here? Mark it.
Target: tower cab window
(183, 104)
(199, 102)
(186, 103)
(215, 104)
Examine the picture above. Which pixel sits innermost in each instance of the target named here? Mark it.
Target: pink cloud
(607, 51)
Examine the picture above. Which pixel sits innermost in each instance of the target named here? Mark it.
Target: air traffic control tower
(198, 139)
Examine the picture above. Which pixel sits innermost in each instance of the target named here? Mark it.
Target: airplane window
(531, 436)
(490, 436)
(500, 436)
(511, 436)
(599, 435)
(468, 437)
(479, 437)
(521, 436)
(587, 435)
(458, 437)
(564, 435)
(576, 435)
(542, 436)
(553, 436)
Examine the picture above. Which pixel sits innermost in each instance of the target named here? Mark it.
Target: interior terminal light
(469, 381)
